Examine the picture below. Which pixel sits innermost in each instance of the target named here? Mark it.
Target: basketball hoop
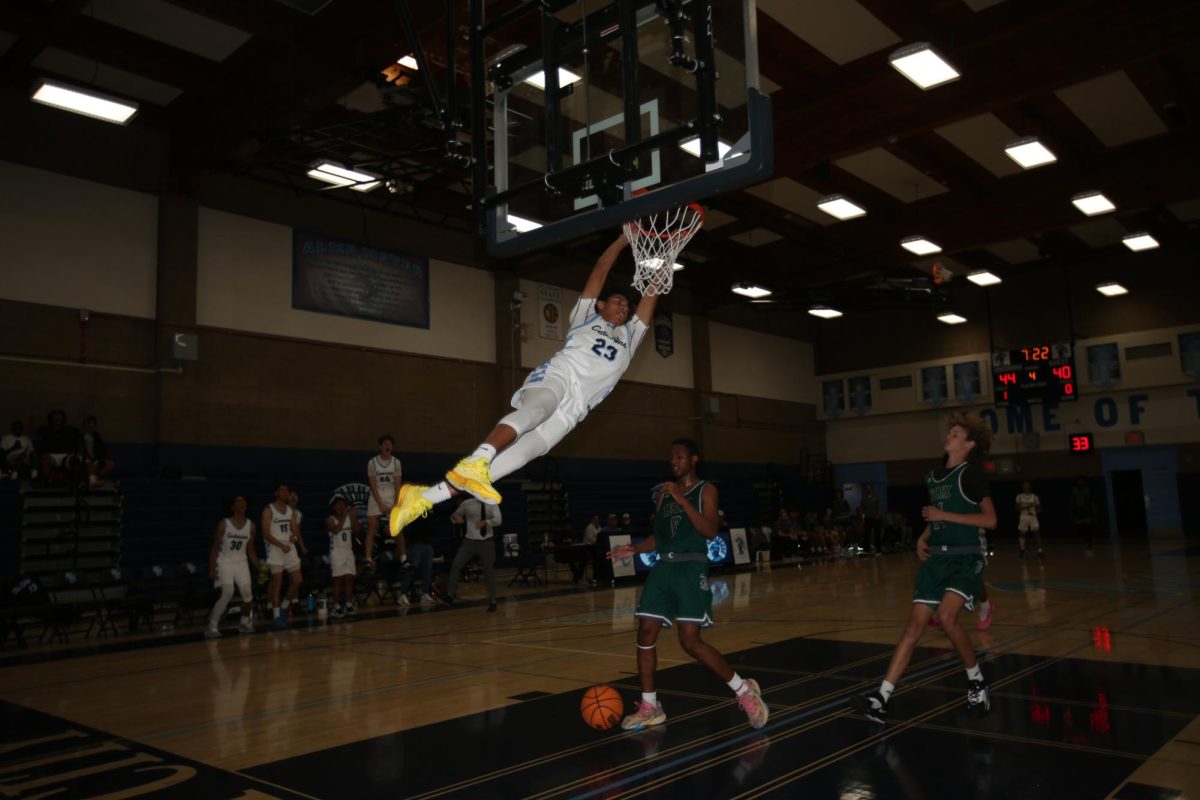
(656, 241)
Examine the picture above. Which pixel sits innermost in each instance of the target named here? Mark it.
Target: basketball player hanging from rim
(558, 394)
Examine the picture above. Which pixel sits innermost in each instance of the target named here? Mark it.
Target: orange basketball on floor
(601, 707)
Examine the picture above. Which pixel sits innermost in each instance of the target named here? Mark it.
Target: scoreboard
(1034, 374)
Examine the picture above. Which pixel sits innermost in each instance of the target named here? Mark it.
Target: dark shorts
(962, 575)
(677, 593)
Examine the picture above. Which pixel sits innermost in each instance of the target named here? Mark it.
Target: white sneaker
(645, 716)
(212, 633)
(246, 627)
(402, 600)
(426, 600)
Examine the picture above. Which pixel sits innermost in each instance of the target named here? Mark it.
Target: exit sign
(1135, 437)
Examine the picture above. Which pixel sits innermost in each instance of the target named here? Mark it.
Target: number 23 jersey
(589, 365)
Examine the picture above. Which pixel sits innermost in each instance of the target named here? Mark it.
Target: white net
(656, 241)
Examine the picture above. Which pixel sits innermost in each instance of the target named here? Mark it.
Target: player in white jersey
(343, 527)
(1029, 506)
(227, 567)
(554, 398)
(383, 473)
(281, 532)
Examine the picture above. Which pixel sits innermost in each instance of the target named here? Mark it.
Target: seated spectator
(626, 522)
(95, 453)
(18, 451)
(592, 530)
(816, 532)
(784, 520)
(833, 532)
(843, 517)
(59, 445)
(784, 539)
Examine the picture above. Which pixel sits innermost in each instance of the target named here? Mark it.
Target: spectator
(783, 521)
(816, 532)
(842, 516)
(419, 536)
(95, 452)
(481, 521)
(591, 531)
(784, 539)
(18, 451)
(626, 523)
(58, 443)
(612, 524)
(872, 510)
(831, 529)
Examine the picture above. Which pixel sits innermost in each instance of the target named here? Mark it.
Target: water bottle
(312, 602)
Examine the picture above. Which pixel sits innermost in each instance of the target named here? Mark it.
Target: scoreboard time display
(1034, 374)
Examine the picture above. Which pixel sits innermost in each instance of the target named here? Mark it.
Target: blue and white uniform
(232, 567)
(387, 478)
(282, 524)
(586, 369)
(341, 548)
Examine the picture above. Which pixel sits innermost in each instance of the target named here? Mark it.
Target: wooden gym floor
(1093, 662)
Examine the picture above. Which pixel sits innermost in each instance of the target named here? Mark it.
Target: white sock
(284, 604)
(974, 673)
(737, 684)
(437, 494)
(983, 608)
(650, 697)
(1021, 540)
(885, 690)
(245, 619)
(275, 611)
(485, 451)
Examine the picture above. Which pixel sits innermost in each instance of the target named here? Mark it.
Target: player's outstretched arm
(645, 309)
(595, 281)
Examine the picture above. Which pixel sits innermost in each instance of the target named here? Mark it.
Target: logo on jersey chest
(609, 335)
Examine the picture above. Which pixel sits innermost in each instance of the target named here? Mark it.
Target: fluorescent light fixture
(1137, 242)
(1111, 289)
(84, 101)
(1030, 153)
(521, 224)
(824, 312)
(750, 290)
(565, 78)
(692, 146)
(408, 61)
(840, 206)
(337, 175)
(950, 318)
(919, 245)
(922, 65)
(1093, 203)
(983, 278)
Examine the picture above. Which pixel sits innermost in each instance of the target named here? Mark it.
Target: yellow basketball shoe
(410, 505)
(475, 478)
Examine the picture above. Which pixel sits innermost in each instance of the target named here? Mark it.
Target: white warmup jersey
(1028, 503)
(341, 548)
(234, 542)
(232, 568)
(589, 365)
(387, 478)
(281, 529)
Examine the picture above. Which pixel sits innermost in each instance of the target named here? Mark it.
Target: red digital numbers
(1036, 353)
(1063, 372)
(1008, 377)
(1068, 389)
(1081, 443)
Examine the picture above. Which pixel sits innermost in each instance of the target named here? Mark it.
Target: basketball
(601, 707)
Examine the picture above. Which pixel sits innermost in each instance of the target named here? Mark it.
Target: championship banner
(1104, 365)
(550, 312)
(332, 276)
(860, 394)
(967, 384)
(664, 333)
(833, 396)
(1189, 354)
(933, 385)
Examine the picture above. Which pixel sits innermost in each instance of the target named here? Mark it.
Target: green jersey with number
(959, 490)
(673, 531)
